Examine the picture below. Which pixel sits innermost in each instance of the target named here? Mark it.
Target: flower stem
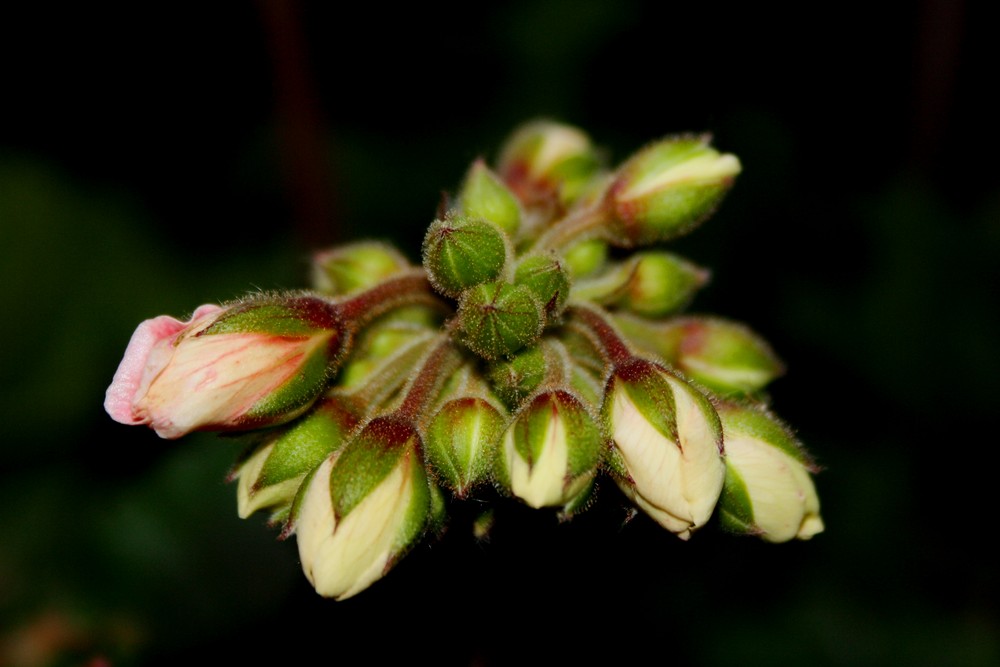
(597, 321)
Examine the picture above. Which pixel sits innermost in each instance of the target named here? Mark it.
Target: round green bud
(460, 252)
(515, 378)
(484, 195)
(498, 319)
(545, 276)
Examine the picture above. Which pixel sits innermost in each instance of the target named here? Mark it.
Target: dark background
(154, 158)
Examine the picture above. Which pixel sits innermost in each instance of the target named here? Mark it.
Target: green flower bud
(722, 355)
(667, 189)
(545, 276)
(460, 252)
(544, 161)
(271, 476)
(363, 508)
(515, 378)
(461, 441)
(355, 266)
(498, 319)
(383, 339)
(484, 195)
(667, 453)
(586, 258)
(769, 491)
(551, 451)
(651, 283)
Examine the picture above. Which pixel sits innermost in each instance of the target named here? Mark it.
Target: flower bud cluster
(542, 344)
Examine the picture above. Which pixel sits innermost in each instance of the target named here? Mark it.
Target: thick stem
(439, 363)
(411, 287)
(578, 226)
(616, 349)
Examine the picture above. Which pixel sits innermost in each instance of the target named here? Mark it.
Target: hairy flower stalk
(541, 345)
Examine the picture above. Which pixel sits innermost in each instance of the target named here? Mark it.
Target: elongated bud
(498, 319)
(545, 276)
(460, 252)
(484, 195)
(355, 266)
(544, 160)
(769, 491)
(650, 283)
(668, 188)
(551, 451)
(724, 356)
(363, 509)
(254, 363)
(271, 476)
(667, 455)
(461, 442)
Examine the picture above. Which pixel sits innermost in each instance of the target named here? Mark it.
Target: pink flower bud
(255, 363)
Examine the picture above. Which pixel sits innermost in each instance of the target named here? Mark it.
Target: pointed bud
(484, 195)
(461, 442)
(363, 509)
(547, 161)
(355, 266)
(460, 252)
(255, 363)
(545, 276)
(586, 258)
(498, 319)
(551, 451)
(667, 453)
(652, 284)
(668, 188)
(769, 489)
(271, 476)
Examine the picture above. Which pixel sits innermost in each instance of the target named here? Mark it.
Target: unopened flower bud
(551, 451)
(516, 377)
(545, 276)
(498, 319)
(255, 363)
(363, 509)
(668, 453)
(484, 195)
(668, 188)
(460, 252)
(355, 266)
(769, 491)
(720, 354)
(461, 441)
(270, 477)
(652, 283)
(586, 257)
(544, 160)
(383, 339)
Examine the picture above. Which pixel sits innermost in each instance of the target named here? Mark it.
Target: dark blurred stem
(301, 131)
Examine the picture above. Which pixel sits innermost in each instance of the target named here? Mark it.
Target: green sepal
(303, 444)
(761, 424)
(355, 266)
(515, 378)
(735, 507)
(419, 512)
(649, 391)
(545, 276)
(367, 459)
(277, 315)
(484, 195)
(461, 442)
